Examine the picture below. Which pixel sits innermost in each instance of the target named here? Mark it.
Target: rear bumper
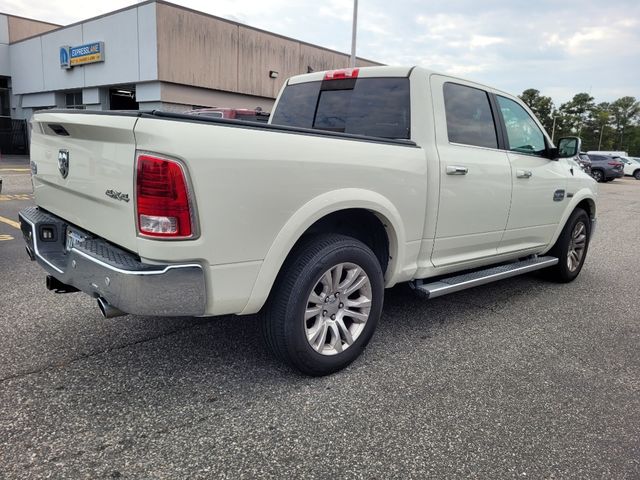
(101, 269)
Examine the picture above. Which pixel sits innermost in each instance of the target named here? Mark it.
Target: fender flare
(578, 197)
(314, 210)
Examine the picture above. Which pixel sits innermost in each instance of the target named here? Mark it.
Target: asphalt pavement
(517, 379)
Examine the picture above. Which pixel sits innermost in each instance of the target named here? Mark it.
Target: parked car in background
(585, 163)
(631, 166)
(246, 114)
(605, 168)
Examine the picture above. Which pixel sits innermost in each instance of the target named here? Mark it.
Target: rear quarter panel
(249, 184)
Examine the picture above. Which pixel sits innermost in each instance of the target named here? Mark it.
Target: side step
(481, 277)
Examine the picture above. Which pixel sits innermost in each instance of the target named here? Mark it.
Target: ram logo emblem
(63, 162)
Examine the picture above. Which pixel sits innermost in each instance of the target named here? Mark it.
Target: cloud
(560, 48)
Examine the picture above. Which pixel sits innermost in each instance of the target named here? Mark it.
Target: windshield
(377, 107)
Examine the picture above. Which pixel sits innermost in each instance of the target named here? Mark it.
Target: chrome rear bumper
(103, 270)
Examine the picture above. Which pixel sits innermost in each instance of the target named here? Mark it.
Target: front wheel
(571, 248)
(324, 305)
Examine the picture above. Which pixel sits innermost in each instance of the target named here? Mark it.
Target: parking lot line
(16, 196)
(10, 222)
(15, 169)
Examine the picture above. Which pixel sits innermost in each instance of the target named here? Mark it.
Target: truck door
(539, 195)
(475, 175)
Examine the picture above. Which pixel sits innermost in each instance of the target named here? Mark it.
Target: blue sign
(81, 55)
(64, 57)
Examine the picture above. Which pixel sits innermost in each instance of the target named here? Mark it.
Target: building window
(74, 100)
(5, 97)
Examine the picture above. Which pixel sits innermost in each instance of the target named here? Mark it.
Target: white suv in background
(631, 166)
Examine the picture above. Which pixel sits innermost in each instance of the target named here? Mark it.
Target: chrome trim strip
(133, 272)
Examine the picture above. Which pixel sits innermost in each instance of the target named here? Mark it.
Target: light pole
(600, 141)
(553, 129)
(353, 34)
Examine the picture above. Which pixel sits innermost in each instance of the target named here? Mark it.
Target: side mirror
(569, 147)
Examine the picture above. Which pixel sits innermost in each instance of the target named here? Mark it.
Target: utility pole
(553, 129)
(353, 34)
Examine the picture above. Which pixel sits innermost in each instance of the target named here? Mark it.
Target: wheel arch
(328, 210)
(584, 199)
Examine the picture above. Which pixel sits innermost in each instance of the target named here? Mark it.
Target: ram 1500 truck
(362, 179)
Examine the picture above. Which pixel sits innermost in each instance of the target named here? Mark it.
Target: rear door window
(469, 117)
(377, 107)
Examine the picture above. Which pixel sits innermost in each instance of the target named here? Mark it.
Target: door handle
(523, 173)
(453, 170)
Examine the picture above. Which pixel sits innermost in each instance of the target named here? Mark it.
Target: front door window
(523, 134)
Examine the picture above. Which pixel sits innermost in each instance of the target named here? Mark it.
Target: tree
(597, 133)
(540, 105)
(576, 113)
(624, 111)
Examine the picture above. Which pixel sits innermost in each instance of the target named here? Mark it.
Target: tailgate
(84, 169)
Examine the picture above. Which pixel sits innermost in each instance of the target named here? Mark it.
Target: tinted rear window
(469, 117)
(377, 107)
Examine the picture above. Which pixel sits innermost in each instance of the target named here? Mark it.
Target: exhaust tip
(107, 310)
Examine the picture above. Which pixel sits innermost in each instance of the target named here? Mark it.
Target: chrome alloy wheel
(338, 308)
(577, 245)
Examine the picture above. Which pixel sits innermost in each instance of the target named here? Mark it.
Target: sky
(558, 47)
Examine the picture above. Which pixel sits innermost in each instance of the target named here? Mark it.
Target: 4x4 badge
(63, 162)
(117, 195)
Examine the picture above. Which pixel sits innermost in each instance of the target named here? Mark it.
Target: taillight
(615, 164)
(342, 74)
(162, 198)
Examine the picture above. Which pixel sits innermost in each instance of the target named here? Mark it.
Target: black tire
(636, 174)
(561, 272)
(597, 175)
(283, 317)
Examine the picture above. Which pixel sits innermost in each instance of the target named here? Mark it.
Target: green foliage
(602, 126)
(540, 105)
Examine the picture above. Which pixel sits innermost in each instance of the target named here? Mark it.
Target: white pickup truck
(362, 179)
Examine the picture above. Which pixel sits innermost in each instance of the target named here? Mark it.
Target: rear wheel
(325, 304)
(597, 175)
(636, 174)
(571, 248)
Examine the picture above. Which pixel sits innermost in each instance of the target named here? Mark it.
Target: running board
(481, 277)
